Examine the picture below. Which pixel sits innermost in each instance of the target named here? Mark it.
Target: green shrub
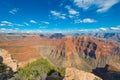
(32, 70)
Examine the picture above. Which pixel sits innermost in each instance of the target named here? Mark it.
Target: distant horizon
(63, 32)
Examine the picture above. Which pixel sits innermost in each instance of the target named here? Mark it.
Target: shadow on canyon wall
(105, 74)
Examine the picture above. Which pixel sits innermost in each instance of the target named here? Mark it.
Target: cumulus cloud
(110, 29)
(103, 29)
(26, 24)
(33, 21)
(70, 16)
(13, 11)
(55, 13)
(117, 28)
(86, 20)
(45, 22)
(102, 5)
(6, 23)
(58, 14)
(71, 11)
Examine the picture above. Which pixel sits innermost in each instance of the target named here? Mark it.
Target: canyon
(86, 53)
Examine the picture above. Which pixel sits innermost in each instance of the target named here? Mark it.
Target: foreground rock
(75, 74)
(6, 58)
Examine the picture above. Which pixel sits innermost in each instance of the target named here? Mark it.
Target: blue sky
(59, 15)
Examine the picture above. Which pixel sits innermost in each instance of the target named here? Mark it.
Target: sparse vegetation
(2, 67)
(32, 70)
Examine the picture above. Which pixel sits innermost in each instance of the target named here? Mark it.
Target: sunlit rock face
(75, 74)
(8, 60)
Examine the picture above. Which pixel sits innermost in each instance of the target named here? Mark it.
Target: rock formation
(8, 60)
(85, 53)
(82, 52)
(75, 74)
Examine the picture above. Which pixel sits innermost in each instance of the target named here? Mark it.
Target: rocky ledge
(75, 74)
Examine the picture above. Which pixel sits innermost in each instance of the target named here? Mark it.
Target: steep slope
(85, 53)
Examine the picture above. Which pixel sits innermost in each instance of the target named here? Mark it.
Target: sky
(59, 16)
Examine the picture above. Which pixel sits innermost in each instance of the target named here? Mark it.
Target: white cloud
(103, 29)
(86, 20)
(71, 11)
(110, 29)
(62, 17)
(6, 23)
(103, 5)
(117, 28)
(26, 24)
(58, 14)
(13, 11)
(106, 4)
(33, 21)
(70, 16)
(45, 22)
(55, 13)
(2, 24)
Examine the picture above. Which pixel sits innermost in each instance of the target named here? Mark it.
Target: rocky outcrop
(8, 60)
(75, 74)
